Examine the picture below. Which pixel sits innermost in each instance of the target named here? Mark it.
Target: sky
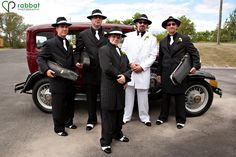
(204, 13)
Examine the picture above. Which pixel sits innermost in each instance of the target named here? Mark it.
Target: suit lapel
(176, 45)
(91, 36)
(166, 46)
(59, 44)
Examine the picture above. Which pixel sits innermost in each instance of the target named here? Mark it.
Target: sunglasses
(169, 24)
(142, 22)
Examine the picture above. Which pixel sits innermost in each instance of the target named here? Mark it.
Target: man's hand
(136, 68)
(78, 65)
(121, 79)
(132, 65)
(193, 70)
(158, 78)
(125, 86)
(50, 73)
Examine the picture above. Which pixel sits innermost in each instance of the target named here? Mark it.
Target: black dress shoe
(89, 127)
(180, 125)
(73, 126)
(63, 133)
(123, 139)
(107, 149)
(124, 122)
(148, 123)
(159, 122)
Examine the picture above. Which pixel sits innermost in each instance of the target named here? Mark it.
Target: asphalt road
(27, 132)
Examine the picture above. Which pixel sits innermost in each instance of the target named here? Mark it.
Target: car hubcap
(196, 98)
(44, 96)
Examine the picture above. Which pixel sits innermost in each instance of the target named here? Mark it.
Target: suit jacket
(141, 50)
(170, 57)
(112, 64)
(53, 50)
(88, 42)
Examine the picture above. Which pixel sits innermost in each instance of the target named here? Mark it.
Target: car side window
(41, 37)
(71, 37)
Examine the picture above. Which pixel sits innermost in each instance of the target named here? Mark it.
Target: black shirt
(142, 33)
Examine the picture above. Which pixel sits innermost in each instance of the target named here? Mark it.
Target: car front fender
(29, 83)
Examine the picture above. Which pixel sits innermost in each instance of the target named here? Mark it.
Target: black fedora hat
(143, 17)
(116, 31)
(60, 21)
(96, 12)
(164, 23)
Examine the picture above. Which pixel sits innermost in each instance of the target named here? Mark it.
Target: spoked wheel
(198, 98)
(42, 96)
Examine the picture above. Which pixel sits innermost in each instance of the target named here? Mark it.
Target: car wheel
(198, 98)
(154, 91)
(42, 96)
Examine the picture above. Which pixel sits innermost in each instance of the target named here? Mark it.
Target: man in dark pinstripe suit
(114, 77)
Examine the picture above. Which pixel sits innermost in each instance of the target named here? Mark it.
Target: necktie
(171, 40)
(118, 50)
(64, 44)
(97, 35)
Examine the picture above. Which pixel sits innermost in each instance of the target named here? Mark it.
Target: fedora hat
(96, 12)
(164, 23)
(60, 21)
(143, 17)
(116, 31)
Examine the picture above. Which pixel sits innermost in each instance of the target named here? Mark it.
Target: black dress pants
(180, 112)
(92, 93)
(62, 110)
(112, 121)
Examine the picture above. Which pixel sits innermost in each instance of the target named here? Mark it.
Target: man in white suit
(141, 49)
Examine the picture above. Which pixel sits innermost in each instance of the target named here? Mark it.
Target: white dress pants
(143, 105)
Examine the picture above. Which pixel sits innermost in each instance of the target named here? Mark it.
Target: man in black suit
(90, 41)
(114, 77)
(57, 49)
(171, 50)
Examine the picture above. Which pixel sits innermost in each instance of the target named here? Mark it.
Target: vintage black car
(199, 91)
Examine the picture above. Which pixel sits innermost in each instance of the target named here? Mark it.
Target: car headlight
(213, 83)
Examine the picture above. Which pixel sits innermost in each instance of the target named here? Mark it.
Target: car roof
(80, 26)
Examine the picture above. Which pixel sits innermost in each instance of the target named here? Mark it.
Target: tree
(160, 36)
(229, 32)
(205, 36)
(113, 21)
(13, 29)
(186, 27)
(126, 22)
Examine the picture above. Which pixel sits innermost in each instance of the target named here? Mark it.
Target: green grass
(223, 55)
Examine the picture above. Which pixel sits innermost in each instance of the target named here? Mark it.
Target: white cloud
(211, 7)
(208, 7)
(203, 25)
(156, 10)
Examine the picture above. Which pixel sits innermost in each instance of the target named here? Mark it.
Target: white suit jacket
(142, 50)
